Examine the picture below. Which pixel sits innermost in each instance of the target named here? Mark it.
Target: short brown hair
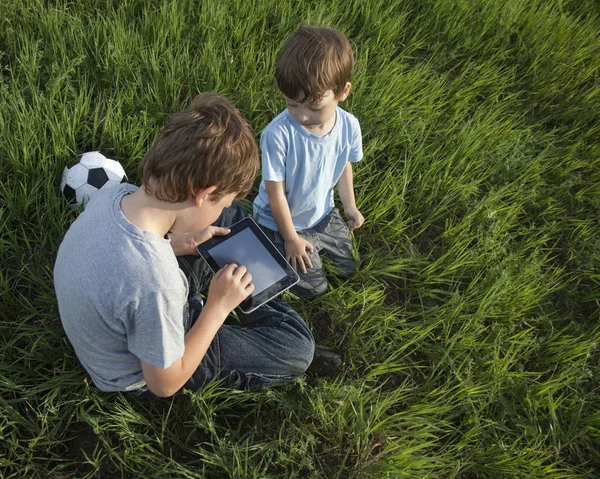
(312, 61)
(210, 143)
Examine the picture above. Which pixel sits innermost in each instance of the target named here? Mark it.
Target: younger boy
(307, 150)
(127, 281)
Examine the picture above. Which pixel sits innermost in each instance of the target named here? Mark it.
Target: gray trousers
(331, 239)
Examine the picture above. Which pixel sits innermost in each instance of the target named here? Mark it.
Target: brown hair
(312, 61)
(208, 144)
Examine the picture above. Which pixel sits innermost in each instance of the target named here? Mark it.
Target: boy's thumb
(219, 231)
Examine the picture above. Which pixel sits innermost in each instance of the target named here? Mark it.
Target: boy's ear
(345, 91)
(203, 194)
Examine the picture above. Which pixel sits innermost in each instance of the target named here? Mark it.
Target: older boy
(307, 150)
(127, 290)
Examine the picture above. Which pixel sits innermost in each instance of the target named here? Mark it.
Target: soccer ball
(93, 171)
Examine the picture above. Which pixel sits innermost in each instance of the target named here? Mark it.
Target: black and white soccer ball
(92, 172)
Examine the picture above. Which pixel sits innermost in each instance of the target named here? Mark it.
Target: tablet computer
(247, 245)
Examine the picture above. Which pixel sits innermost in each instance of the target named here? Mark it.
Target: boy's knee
(299, 345)
(346, 267)
(304, 352)
(310, 290)
(294, 359)
(230, 215)
(349, 267)
(238, 210)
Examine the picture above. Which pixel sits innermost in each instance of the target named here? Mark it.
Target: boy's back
(110, 258)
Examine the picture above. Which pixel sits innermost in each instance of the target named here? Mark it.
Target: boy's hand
(355, 218)
(186, 244)
(230, 286)
(295, 253)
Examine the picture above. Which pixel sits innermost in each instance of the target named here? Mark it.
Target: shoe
(325, 363)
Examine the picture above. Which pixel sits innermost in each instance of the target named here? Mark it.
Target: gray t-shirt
(121, 295)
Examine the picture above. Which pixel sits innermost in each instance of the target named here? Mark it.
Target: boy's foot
(325, 362)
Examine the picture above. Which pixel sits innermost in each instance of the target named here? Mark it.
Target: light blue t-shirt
(310, 165)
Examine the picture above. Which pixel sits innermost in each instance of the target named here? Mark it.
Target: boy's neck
(148, 213)
(322, 129)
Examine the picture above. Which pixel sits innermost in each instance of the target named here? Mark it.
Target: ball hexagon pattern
(91, 173)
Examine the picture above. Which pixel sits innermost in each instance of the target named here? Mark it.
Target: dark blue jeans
(268, 347)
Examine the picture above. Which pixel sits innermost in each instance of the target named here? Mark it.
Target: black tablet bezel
(252, 302)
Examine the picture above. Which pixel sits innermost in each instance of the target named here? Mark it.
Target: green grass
(471, 330)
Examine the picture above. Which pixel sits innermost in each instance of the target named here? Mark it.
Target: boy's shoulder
(278, 124)
(347, 119)
(347, 127)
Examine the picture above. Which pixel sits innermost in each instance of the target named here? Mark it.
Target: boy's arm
(230, 286)
(295, 246)
(346, 191)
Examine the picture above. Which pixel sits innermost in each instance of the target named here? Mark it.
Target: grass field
(471, 331)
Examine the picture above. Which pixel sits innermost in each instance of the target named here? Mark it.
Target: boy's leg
(313, 283)
(334, 238)
(273, 346)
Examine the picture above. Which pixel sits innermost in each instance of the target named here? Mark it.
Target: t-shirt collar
(307, 134)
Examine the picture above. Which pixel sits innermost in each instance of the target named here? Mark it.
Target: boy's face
(199, 216)
(213, 209)
(312, 115)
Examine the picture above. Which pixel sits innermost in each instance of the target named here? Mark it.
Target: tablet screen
(247, 245)
(245, 248)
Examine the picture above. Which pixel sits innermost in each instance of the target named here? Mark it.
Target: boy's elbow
(161, 385)
(163, 382)
(162, 391)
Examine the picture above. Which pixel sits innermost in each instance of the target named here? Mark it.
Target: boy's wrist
(289, 236)
(213, 311)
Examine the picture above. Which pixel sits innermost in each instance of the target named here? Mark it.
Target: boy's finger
(218, 231)
(220, 272)
(240, 272)
(307, 261)
(292, 262)
(230, 269)
(246, 279)
(301, 262)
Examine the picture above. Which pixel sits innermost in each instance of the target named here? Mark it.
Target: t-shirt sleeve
(273, 153)
(154, 327)
(356, 150)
